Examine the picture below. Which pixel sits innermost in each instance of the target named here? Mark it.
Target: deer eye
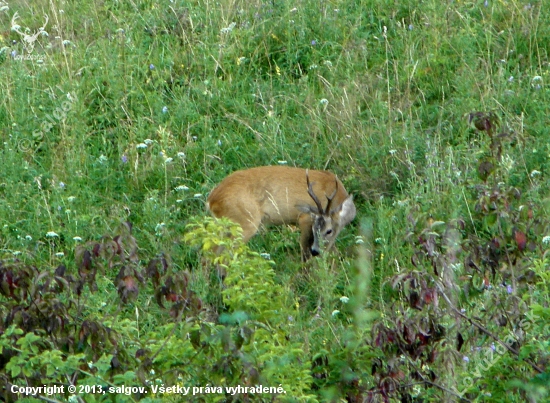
(328, 232)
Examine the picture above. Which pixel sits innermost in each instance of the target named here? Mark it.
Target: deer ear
(346, 211)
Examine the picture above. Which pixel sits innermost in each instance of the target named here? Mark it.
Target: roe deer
(282, 195)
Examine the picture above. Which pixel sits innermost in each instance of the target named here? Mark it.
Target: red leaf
(521, 240)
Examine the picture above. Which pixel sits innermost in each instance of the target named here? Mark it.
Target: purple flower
(313, 42)
(509, 289)
(124, 159)
(61, 185)
(151, 66)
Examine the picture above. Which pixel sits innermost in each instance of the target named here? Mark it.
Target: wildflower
(181, 188)
(266, 256)
(546, 240)
(534, 173)
(164, 109)
(102, 159)
(13, 53)
(510, 79)
(181, 155)
(410, 27)
(124, 159)
(28, 238)
(71, 198)
(141, 145)
(465, 359)
(51, 234)
(59, 254)
(335, 312)
(344, 299)
(151, 66)
(324, 102)
(61, 185)
(313, 42)
(282, 162)
(168, 160)
(219, 142)
(148, 141)
(509, 289)
(197, 195)
(493, 346)
(228, 29)
(536, 82)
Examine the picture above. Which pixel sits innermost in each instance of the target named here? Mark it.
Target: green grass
(168, 97)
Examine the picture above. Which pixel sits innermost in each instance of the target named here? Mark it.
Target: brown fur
(279, 195)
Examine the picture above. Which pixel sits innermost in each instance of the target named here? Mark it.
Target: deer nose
(315, 252)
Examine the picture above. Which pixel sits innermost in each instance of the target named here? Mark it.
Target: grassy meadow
(119, 117)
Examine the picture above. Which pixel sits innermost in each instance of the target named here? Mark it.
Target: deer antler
(310, 191)
(26, 37)
(329, 198)
(14, 26)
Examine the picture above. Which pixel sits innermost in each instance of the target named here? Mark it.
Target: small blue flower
(61, 185)
(124, 159)
(509, 289)
(164, 109)
(151, 66)
(313, 42)
(13, 53)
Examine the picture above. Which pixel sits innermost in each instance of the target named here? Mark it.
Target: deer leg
(307, 239)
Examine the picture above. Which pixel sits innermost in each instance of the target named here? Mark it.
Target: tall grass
(133, 111)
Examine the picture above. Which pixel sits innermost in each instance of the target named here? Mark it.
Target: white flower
(228, 29)
(546, 240)
(181, 155)
(141, 145)
(324, 101)
(77, 239)
(344, 299)
(168, 160)
(71, 198)
(197, 195)
(181, 188)
(51, 234)
(59, 254)
(148, 141)
(282, 162)
(28, 238)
